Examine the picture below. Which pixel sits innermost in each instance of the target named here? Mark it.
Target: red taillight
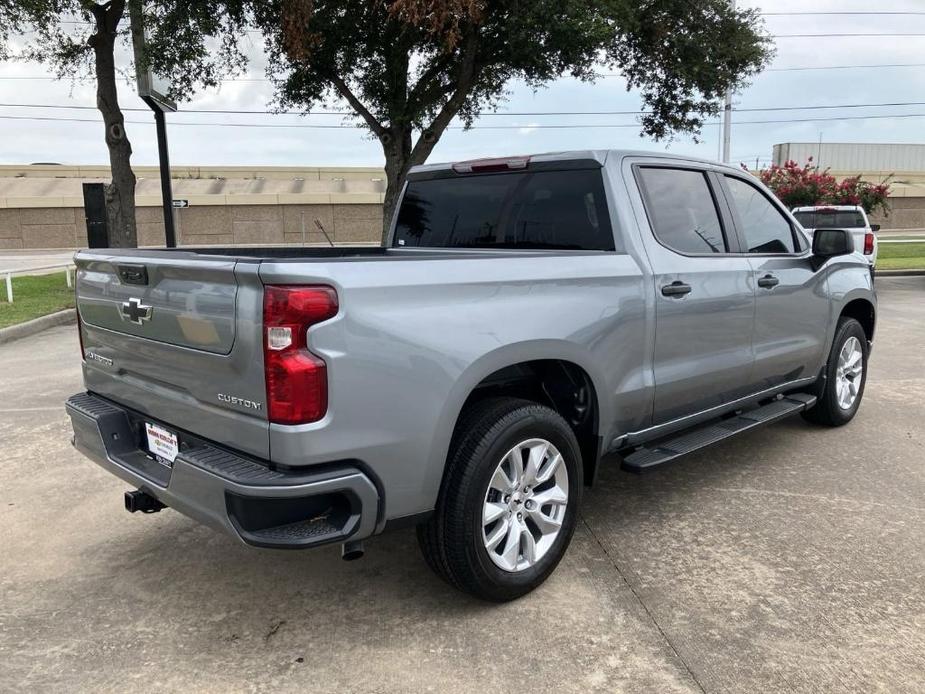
(869, 243)
(297, 381)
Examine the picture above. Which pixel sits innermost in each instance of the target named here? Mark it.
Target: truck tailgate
(177, 336)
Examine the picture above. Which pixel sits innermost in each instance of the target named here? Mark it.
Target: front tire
(841, 391)
(509, 501)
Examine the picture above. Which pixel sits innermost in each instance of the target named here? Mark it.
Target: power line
(835, 13)
(796, 68)
(548, 126)
(839, 36)
(773, 36)
(839, 67)
(346, 112)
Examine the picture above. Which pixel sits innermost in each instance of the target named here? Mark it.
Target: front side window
(682, 211)
(765, 228)
(524, 209)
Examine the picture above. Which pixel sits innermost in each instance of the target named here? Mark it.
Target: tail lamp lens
(869, 243)
(297, 382)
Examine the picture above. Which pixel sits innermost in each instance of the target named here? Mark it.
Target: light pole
(727, 116)
(154, 93)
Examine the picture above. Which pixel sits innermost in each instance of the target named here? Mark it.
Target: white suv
(850, 217)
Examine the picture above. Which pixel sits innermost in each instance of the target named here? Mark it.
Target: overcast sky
(33, 140)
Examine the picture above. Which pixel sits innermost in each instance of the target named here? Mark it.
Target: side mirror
(875, 227)
(828, 243)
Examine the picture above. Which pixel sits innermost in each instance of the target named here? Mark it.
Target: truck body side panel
(408, 348)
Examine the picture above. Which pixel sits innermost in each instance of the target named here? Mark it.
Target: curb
(37, 325)
(900, 273)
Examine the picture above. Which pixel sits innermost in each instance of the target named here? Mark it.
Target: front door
(791, 302)
(704, 293)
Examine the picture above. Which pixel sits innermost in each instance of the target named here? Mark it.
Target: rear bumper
(260, 506)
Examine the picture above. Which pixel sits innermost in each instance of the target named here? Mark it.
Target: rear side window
(765, 228)
(682, 210)
(831, 219)
(525, 209)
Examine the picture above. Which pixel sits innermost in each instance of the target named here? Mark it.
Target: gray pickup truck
(528, 317)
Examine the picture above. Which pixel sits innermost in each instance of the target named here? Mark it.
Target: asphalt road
(790, 559)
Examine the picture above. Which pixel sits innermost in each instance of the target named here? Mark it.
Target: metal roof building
(856, 158)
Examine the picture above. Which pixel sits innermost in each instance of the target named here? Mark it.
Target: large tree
(81, 37)
(408, 68)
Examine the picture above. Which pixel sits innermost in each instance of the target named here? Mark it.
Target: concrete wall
(65, 227)
(905, 213)
(36, 227)
(41, 206)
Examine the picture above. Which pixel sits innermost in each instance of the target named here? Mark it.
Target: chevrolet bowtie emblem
(135, 311)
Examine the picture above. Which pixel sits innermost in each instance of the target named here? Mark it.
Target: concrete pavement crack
(642, 604)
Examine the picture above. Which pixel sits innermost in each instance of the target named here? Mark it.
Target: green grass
(34, 296)
(901, 256)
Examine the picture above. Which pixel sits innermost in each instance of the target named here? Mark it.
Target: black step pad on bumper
(647, 458)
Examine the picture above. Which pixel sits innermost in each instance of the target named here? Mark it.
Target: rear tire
(494, 536)
(842, 389)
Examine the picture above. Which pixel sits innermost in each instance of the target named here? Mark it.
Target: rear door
(704, 293)
(177, 336)
(792, 305)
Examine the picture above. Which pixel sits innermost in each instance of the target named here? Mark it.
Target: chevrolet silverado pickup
(528, 317)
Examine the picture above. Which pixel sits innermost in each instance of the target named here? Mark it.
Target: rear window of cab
(524, 209)
(830, 219)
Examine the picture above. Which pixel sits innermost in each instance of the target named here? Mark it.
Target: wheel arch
(557, 374)
(864, 312)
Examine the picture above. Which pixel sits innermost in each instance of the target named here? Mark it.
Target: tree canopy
(409, 67)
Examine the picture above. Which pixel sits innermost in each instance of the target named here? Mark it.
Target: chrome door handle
(676, 288)
(768, 281)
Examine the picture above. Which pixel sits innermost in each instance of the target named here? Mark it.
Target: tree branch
(465, 78)
(357, 105)
(423, 86)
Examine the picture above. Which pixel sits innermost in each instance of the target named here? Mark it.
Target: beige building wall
(65, 227)
(905, 213)
(42, 206)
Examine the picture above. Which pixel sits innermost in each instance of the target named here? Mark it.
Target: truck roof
(598, 155)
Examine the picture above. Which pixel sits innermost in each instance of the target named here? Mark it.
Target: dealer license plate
(162, 444)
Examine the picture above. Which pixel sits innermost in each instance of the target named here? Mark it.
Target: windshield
(830, 219)
(523, 209)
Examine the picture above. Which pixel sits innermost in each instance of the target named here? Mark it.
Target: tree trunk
(396, 145)
(120, 193)
(400, 156)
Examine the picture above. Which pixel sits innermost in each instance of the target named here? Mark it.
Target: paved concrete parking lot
(792, 559)
(24, 260)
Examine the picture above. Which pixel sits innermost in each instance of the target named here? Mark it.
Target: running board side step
(646, 459)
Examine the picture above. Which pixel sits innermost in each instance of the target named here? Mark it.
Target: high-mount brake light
(869, 243)
(297, 380)
(491, 165)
